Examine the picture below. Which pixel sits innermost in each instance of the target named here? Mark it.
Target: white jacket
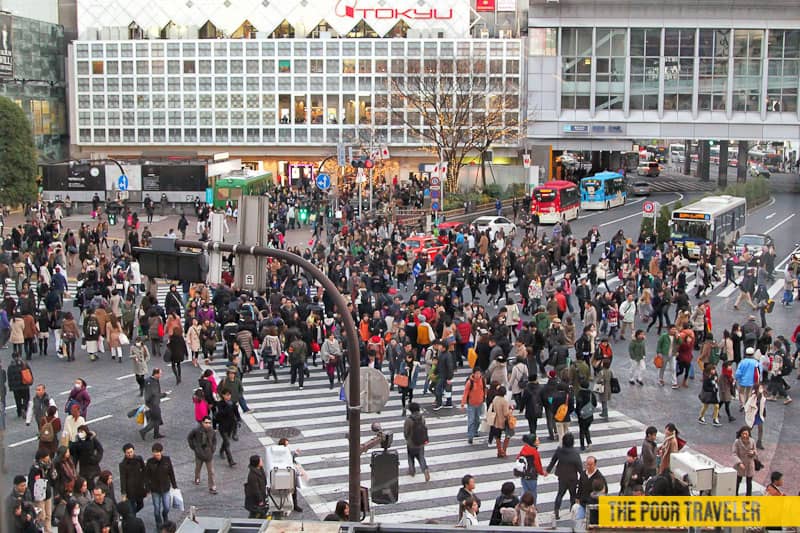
(627, 311)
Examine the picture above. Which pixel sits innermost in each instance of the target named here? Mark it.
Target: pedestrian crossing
(662, 184)
(317, 416)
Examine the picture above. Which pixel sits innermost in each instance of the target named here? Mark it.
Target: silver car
(640, 188)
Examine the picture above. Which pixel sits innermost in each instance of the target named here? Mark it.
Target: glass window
(348, 109)
(747, 70)
(714, 46)
(784, 67)
(332, 109)
(645, 53)
(678, 68)
(576, 67)
(284, 66)
(610, 68)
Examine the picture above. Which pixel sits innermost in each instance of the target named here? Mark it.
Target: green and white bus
(245, 182)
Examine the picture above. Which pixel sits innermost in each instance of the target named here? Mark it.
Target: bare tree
(457, 115)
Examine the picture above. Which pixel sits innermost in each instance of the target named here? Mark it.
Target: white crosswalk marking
(318, 416)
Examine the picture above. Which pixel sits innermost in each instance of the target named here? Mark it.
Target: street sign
(526, 160)
(374, 390)
(249, 279)
(649, 209)
(340, 160)
(122, 182)
(435, 182)
(436, 190)
(435, 205)
(323, 181)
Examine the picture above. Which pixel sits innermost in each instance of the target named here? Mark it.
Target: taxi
(418, 245)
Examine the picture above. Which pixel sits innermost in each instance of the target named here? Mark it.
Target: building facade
(281, 103)
(604, 74)
(32, 61)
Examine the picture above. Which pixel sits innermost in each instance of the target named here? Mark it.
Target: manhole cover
(280, 433)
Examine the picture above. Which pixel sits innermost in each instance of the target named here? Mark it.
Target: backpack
(47, 432)
(419, 433)
(26, 376)
(524, 468)
(562, 411)
(423, 335)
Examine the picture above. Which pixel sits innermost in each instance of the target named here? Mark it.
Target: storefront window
(364, 110)
(299, 109)
(349, 109)
(332, 109)
(284, 108)
(317, 112)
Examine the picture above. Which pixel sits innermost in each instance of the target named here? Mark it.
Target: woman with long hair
(668, 447)
(745, 456)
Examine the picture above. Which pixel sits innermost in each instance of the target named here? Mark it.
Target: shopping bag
(659, 361)
(124, 340)
(177, 499)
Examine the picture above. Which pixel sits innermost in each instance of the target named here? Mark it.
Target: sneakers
(716, 423)
(787, 401)
(731, 419)
(702, 420)
(676, 386)
(632, 382)
(640, 382)
(427, 475)
(437, 407)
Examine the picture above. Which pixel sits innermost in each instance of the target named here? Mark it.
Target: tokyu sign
(389, 13)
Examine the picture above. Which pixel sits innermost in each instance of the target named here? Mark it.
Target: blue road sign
(323, 181)
(122, 182)
(435, 205)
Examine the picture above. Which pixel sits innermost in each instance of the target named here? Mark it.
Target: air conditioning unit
(700, 473)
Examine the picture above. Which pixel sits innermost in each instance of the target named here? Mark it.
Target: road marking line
(786, 260)
(775, 288)
(781, 223)
(32, 439)
(126, 376)
(770, 215)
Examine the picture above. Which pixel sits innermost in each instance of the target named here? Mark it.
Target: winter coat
(87, 454)
(746, 454)
(530, 402)
(255, 490)
(193, 338)
(568, 465)
(497, 372)
(502, 409)
(81, 397)
(17, 330)
(412, 372)
(177, 348)
(410, 423)
(234, 385)
(97, 516)
(636, 350)
(140, 355)
(745, 371)
(159, 475)
(519, 377)
(203, 442)
(131, 478)
(113, 335)
(14, 375)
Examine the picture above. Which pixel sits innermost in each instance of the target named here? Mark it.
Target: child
(612, 318)
(201, 408)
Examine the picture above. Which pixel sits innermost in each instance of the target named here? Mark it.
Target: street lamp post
(354, 357)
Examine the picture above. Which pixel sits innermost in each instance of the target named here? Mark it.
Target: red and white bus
(556, 201)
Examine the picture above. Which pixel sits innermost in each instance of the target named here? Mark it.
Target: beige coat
(502, 409)
(17, 330)
(113, 335)
(744, 457)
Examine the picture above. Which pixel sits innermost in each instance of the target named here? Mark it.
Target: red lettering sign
(484, 5)
(383, 13)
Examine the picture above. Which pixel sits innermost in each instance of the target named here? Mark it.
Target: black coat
(226, 417)
(96, 516)
(14, 374)
(500, 503)
(87, 454)
(177, 348)
(585, 486)
(531, 401)
(567, 463)
(255, 490)
(159, 475)
(131, 478)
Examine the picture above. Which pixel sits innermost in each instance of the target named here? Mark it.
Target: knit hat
(633, 453)
(551, 374)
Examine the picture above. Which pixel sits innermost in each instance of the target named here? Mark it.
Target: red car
(416, 246)
(445, 228)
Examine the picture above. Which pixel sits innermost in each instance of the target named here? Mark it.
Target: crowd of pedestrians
(542, 347)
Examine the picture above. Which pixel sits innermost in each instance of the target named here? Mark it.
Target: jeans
(473, 420)
(419, 455)
(529, 485)
(444, 390)
(162, 501)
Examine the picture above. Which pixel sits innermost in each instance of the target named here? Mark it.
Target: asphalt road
(114, 390)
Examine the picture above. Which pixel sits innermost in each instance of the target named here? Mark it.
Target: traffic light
(362, 162)
(303, 214)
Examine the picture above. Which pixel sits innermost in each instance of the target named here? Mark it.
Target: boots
(500, 451)
(505, 445)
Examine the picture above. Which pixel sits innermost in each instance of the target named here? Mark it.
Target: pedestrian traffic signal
(303, 216)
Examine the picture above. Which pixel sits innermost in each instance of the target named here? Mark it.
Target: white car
(493, 224)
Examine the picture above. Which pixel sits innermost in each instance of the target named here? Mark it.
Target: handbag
(491, 416)
(562, 411)
(511, 421)
(599, 388)
(758, 464)
(124, 340)
(659, 361)
(401, 380)
(615, 388)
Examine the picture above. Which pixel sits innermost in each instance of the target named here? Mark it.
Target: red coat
(464, 330)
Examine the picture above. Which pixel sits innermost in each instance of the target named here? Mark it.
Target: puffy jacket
(745, 371)
(474, 391)
(203, 442)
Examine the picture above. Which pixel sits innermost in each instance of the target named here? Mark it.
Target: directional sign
(323, 181)
(435, 205)
(122, 182)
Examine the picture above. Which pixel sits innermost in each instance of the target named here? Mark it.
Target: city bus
(556, 201)
(604, 190)
(713, 219)
(245, 182)
(677, 153)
